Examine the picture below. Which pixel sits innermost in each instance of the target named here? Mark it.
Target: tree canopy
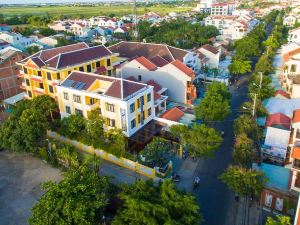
(245, 182)
(246, 124)
(244, 150)
(144, 203)
(80, 198)
(215, 105)
(280, 220)
(239, 66)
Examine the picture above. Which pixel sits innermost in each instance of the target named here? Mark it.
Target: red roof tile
(179, 65)
(159, 61)
(283, 93)
(296, 116)
(78, 56)
(210, 48)
(156, 86)
(146, 63)
(278, 119)
(173, 114)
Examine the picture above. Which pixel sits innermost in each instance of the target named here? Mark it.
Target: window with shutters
(77, 98)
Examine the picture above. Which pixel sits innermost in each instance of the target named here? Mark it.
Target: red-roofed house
(124, 104)
(175, 77)
(278, 119)
(282, 94)
(173, 114)
(212, 53)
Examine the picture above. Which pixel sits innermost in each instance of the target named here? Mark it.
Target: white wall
(167, 76)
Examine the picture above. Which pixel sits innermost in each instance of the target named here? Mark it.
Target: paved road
(217, 202)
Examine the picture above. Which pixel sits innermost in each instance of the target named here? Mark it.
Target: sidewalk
(247, 215)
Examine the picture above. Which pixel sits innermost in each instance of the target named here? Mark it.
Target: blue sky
(50, 1)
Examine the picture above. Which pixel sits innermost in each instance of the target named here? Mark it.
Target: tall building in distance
(204, 6)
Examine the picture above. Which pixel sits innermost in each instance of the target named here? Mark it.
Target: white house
(222, 9)
(291, 70)
(213, 55)
(294, 35)
(48, 41)
(82, 31)
(16, 40)
(175, 76)
(60, 26)
(289, 20)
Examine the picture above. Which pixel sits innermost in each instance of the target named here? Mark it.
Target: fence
(126, 163)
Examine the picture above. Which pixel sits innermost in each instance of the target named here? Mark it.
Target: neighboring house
(219, 22)
(124, 104)
(4, 27)
(203, 6)
(121, 30)
(212, 53)
(175, 76)
(60, 26)
(103, 21)
(242, 12)
(289, 20)
(9, 70)
(222, 9)
(49, 41)
(16, 40)
(294, 35)
(44, 70)
(291, 69)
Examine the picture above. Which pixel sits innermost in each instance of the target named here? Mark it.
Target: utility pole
(135, 22)
(255, 95)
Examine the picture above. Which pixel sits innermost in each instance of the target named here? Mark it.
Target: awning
(14, 99)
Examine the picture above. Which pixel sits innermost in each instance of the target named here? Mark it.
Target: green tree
(72, 126)
(116, 141)
(265, 91)
(280, 220)
(247, 47)
(200, 141)
(215, 105)
(47, 31)
(80, 198)
(246, 124)
(146, 204)
(264, 65)
(62, 42)
(243, 152)
(94, 129)
(239, 66)
(157, 150)
(68, 156)
(32, 49)
(245, 182)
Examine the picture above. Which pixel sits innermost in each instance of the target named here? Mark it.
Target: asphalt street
(216, 200)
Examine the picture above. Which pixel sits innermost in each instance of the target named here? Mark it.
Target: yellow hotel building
(43, 70)
(125, 104)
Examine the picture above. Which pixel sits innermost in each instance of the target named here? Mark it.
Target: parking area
(20, 179)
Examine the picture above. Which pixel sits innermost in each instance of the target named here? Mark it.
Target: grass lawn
(88, 11)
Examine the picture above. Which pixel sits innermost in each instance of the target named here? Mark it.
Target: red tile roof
(47, 54)
(173, 114)
(210, 48)
(159, 61)
(156, 86)
(114, 90)
(283, 93)
(295, 152)
(296, 116)
(188, 71)
(278, 119)
(78, 57)
(146, 63)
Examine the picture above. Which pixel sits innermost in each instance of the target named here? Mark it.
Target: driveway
(20, 179)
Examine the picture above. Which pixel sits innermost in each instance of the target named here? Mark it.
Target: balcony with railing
(92, 106)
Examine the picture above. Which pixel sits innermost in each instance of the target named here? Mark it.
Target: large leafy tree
(243, 152)
(265, 91)
(215, 105)
(157, 149)
(247, 47)
(26, 127)
(72, 126)
(245, 182)
(199, 140)
(280, 220)
(94, 129)
(264, 64)
(80, 198)
(147, 204)
(239, 66)
(246, 124)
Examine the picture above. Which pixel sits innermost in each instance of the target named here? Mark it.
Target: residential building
(203, 6)
(222, 9)
(294, 35)
(9, 81)
(124, 104)
(43, 71)
(4, 27)
(82, 31)
(50, 41)
(289, 20)
(212, 53)
(60, 26)
(291, 69)
(164, 64)
(219, 22)
(16, 39)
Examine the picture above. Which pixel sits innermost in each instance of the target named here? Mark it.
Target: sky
(50, 1)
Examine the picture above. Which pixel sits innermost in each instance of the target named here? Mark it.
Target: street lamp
(49, 147)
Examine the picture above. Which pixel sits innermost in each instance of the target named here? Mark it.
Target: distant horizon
(28, 2)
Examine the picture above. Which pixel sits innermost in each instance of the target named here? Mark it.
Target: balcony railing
(91, 107)
(296, 164)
